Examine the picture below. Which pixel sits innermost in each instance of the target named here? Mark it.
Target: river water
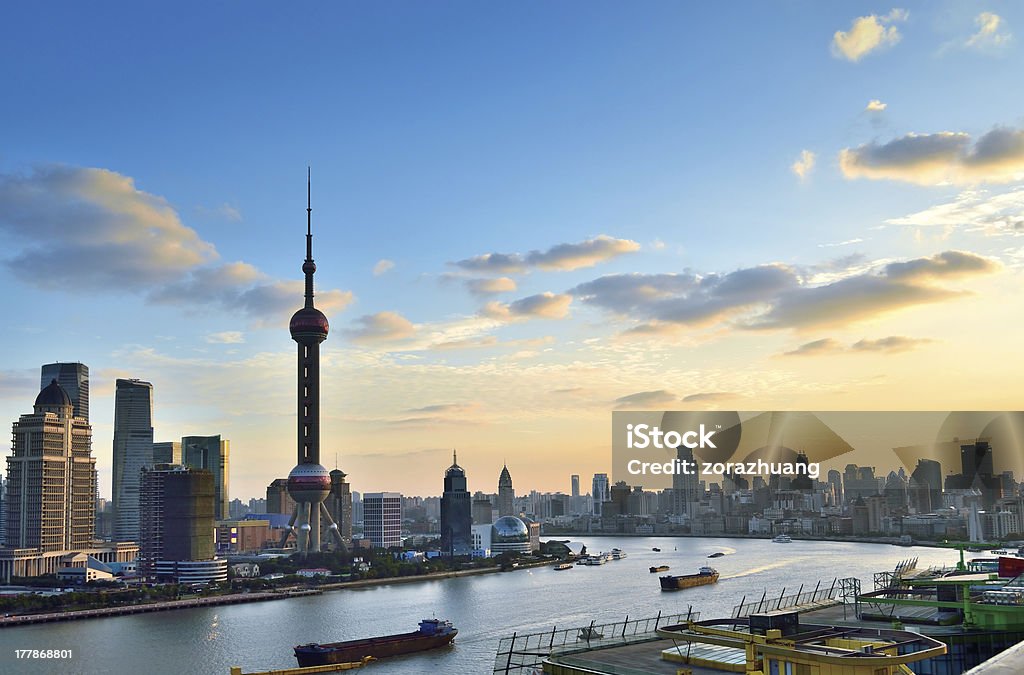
(259, 636)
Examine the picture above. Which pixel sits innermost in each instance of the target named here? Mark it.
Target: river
(259, 636)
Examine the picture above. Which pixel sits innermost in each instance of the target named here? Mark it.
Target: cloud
(467, 343)
(867, 34)
(687, 298)
(803, 166)
(887, 345)
(382, 266)
(646, 400)
(382, 327)
(445, 408)
(490, 286)
(90, 230)
(709, 397)
(541, 306)
(874, 105)
(228, 337)
(853, 299)
(891, 344)
(225, 212)
(975, 211)
(778, 296)
(561, 257)
(940, 158)
(816, 348)
(992, 32)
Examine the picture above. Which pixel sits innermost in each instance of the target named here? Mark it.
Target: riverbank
(162, 606)
(236, 598)
(890, 541)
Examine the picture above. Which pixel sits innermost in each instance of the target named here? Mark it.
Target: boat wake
(757, 570)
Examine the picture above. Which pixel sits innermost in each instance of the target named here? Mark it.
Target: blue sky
(152, 162)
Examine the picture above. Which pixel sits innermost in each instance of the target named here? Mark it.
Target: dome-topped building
(510, 534)
(53, 395)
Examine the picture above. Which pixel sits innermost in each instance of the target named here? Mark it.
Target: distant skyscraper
(167, 452)
(177, 506)
(575, 480)
(339, 505)
(278, 499)
(51, 477)
(133, 450)
(686, 492)
(457, 512)
(599, 493)
(928, 474)
(382, 518)
(74, 380)
(483, 511)
(210, 453)
(506, 495)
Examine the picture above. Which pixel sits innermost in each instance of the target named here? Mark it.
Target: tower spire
(455, 458)
(309, 267)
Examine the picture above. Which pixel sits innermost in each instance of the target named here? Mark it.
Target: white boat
(783, 539)
(618, 554)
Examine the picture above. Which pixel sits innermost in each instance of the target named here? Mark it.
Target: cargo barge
(706, 575)
(432, 633)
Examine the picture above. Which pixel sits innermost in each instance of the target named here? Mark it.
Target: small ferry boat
(618, 554)
(564, 566)
(432, 633)
(659, 568)
(717, 554)
(783, 539)
(706, 575)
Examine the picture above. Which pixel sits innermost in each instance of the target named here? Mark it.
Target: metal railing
(774, 602)
(524, 653)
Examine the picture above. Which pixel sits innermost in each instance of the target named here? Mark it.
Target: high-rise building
(74, 380)
(382, 518)
(177, 544)
(167, 452)
(686, 492)
(457, 512)
(309, 483)
(599, 493)
(339, 505)
(210, 453)
(928, 475)
(133, 450)
(506, 495)
(278, 499)
(483, 511)
(575, 480)
(51, 477)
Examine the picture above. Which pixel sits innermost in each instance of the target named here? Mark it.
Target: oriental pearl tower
(309, 483)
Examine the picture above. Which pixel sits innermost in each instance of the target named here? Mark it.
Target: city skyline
(626, 211)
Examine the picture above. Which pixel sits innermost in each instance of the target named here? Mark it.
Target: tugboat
(706, 575)
(432, 633)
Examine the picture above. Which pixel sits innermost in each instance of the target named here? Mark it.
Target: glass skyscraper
(133, 450)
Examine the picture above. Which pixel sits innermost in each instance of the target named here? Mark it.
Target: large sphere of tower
(309, 322)
(309, 483)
